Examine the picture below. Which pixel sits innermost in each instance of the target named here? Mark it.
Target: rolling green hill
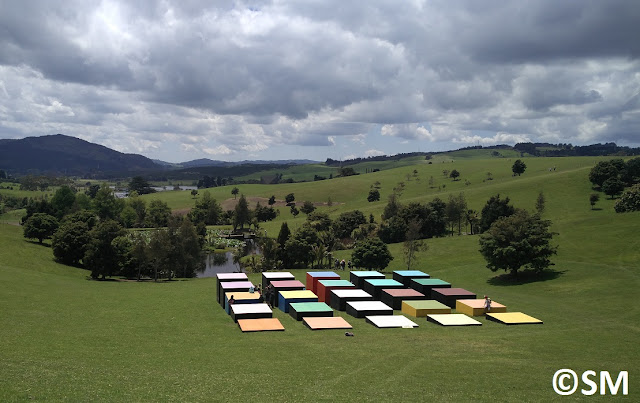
(68, 338)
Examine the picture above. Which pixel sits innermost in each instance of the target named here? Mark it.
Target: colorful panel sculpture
(394, 296)
(425, 285)
(453, 319)
(423, 308)
(390, 321)
(285, 285)
(339, 298)
(320, 323)
(360, 309)
(358, 277)
(260, 325)
(233, 286)
(324, 287)
(299, 310)
(225, 277)
(241, 297)
(449, 296)
(514, 318)
(314, 276)
(405, 276)
(250, 311)
(475, 307)
(285, 298)
(269, 276)
(375, 286)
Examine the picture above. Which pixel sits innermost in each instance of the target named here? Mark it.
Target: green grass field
(65, 337)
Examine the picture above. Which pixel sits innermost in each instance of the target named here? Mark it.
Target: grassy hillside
(68, 338)
(351, 193)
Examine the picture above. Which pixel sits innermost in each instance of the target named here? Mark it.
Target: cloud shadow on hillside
(525, 277)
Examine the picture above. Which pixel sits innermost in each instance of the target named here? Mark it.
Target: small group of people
(341, 264)
(252, 289)
(269, 295)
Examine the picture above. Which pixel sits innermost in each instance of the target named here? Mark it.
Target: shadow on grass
(525, 277)
(133, 280)
(44, 244)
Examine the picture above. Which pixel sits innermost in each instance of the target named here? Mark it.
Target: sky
(178, 80)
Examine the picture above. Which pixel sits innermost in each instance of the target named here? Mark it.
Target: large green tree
(105, 204)
(207, 210)
(188, 253)
(413, 244)
(157, 214)
(604, 170)
(629, 201)
(40, 226)
(347, 222)
(319, 220)
(140, 185)
(456, 209)
(371, 254)
(307, 207)
(521, 240)
(374, 195)
(241, 213)
(62, 201)
(70, 241)
(518, 167)
(612, 187)
(101, 256)
(290, 198)
(494, 209)
(299, 247)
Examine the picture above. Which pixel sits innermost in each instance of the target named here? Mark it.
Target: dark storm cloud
(233, 76)
(539, 31)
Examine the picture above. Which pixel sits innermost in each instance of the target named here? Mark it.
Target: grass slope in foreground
(67, 338)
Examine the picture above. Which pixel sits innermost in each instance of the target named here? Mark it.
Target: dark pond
(218, 263)
(223, 262)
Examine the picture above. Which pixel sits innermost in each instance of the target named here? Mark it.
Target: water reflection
(219, 263)
(223, 262)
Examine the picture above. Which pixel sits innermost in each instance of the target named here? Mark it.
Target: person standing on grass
(487, 304)
(270, 294)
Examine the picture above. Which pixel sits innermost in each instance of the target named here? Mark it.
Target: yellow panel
(514, 318)
(242, 295)
(411, 310)
(298, 294)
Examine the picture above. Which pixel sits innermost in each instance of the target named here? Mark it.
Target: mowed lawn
(64, 337)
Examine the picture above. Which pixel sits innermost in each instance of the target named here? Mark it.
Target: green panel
(310, 307)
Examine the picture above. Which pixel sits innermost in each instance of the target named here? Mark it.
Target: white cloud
(221, 78)
(219, 150)
(412, 131)
(254, 147)
(373, 153)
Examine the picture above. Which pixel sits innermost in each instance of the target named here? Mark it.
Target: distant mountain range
(69, 156)
(66, 155)
(59, 154)
(206, 162)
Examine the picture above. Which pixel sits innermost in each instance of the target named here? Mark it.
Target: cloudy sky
(233, 80)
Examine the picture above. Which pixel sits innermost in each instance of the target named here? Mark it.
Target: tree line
(612, 178)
